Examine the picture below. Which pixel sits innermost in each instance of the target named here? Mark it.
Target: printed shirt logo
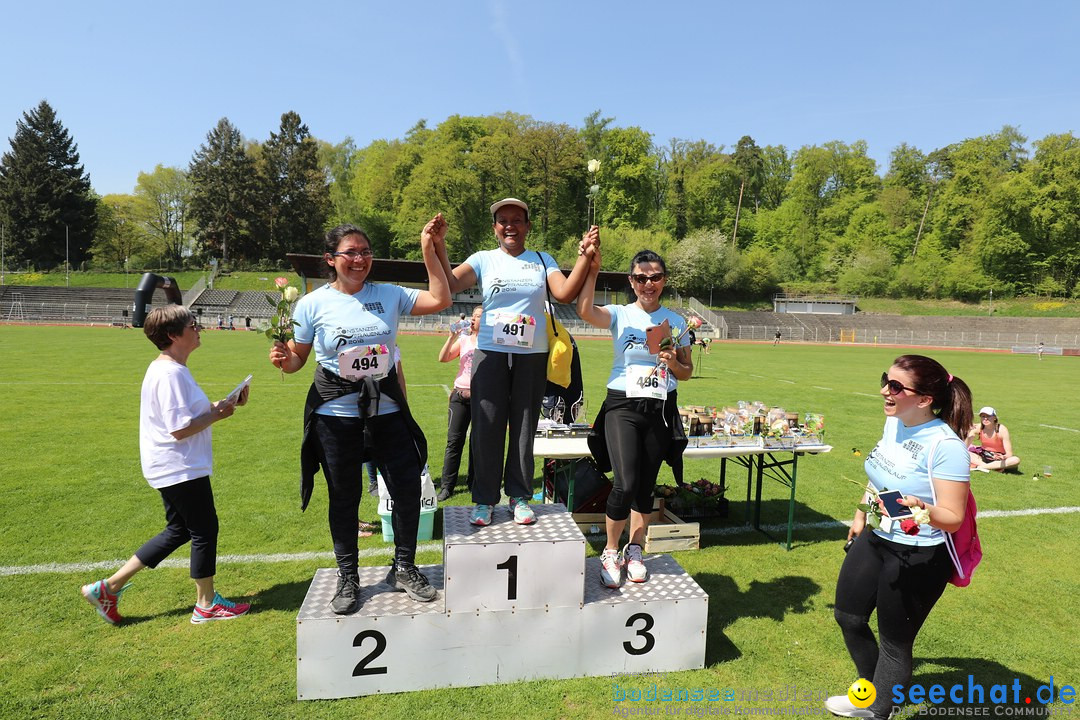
(913, 447)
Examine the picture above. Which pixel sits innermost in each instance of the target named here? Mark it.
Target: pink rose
(281, 282)
(693, 322)
(909, 526)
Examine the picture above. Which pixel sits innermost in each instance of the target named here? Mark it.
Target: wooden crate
(667, 532)
(671, 534)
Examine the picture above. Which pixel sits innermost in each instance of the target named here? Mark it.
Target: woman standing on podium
(638, 426)
(510, 360)
(356, 409)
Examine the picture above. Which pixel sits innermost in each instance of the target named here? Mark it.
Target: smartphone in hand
(655, 335)
(890, 505)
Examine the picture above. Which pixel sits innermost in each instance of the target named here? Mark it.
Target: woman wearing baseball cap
(510, 361)
(994, 451)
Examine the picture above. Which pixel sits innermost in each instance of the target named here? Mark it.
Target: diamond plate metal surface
(666, 581)
(376, 598)
(553, 524)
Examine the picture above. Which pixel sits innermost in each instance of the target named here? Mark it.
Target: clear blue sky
(141, 83)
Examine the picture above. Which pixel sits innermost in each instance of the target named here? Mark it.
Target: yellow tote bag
(560, 352)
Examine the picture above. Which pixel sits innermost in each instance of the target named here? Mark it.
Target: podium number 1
(511, 581)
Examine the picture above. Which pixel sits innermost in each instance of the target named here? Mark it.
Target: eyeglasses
(194, 325)
(895, 386)
(353, 254)
(641, 279)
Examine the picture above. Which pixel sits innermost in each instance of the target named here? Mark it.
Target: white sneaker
(610, 568)
(635, 566)
(840, 705)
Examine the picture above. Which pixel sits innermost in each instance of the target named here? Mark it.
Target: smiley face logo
(862, 693)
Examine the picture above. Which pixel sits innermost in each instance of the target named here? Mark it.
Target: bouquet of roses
(910, 526)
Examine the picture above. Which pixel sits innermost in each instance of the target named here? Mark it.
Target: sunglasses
(895, 386)
(353, 254)
(194, 325)
(641, 279)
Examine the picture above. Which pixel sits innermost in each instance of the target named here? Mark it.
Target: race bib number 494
(513, 330)
(644, 381)
(362, 361)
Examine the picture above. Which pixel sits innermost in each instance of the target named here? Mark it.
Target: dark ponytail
(951, 395)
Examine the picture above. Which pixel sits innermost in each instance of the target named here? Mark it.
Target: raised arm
(451, 348)
(433, 245)
(566, 289)
(586, 308)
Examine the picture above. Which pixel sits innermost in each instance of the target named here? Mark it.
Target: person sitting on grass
(994, 451)
(174, 442)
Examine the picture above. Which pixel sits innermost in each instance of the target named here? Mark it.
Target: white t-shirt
(898, 462)
(170, 400)
(628, 325)
(515, 286)
(332, 322)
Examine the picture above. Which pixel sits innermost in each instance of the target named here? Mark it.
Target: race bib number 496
(513, 330)
(362, 361)
(644, 381)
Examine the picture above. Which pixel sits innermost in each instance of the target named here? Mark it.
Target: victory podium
(514, 603)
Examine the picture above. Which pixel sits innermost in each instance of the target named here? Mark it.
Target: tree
(295, 191)
(45, 193)
(120, 234)
(162, 205)
(750, 167)
(224, 191)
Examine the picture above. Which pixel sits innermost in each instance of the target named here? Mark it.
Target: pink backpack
(965, 549)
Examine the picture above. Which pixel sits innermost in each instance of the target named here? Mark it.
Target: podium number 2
(643, 632)
(380, 645)
(511, 581)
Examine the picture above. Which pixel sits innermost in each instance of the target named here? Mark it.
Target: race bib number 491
(362, 361)
(513, 330)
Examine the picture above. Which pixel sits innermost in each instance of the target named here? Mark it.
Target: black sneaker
(407, 577)
(347, 598)
(444, 494)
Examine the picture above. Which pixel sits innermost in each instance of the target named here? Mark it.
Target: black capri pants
(189, 515)
(637, 441)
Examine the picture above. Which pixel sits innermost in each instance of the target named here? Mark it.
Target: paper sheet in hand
(235, 394)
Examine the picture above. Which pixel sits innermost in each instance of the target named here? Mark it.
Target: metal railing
(888, 336)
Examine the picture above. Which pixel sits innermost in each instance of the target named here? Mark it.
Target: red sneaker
(222, 609)
(105, 602)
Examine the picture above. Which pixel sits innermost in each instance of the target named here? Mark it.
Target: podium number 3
(650, 641)
(511, 581)
(380, 645)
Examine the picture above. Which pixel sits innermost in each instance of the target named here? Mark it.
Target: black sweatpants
(903, 582)
(189, 515)
(507, 390)
(342, 456)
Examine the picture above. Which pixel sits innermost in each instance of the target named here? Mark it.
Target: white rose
(290, 294)
(594, 165)
(920, 515)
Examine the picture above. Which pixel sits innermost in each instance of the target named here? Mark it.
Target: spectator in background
(175, 446)
(995, 450)
(776, 337)
(460, 344)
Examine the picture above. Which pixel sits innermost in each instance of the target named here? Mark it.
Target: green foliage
(46, 203)
(224, 194)
(162, 208)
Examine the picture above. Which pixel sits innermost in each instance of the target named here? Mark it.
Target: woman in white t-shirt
(901, 568)
(174, 442)
(510, 362)
(635, 427)
(461, 344)
(356, 409)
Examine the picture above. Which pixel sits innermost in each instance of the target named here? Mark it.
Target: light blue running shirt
(333, 322)
(628, 324)
(898, 462)
(515, 286)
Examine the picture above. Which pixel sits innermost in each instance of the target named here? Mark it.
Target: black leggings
(342, 456)
(459, 415)
(637, 441)
(189, 515)
(903, 582)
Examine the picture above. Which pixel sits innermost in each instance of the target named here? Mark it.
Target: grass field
(71, 492)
